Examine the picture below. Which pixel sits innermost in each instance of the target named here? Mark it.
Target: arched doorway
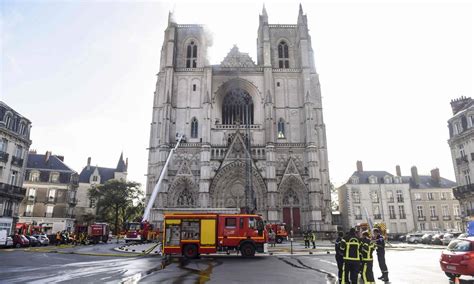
(183, 194)
(227, 189)
(293, 203)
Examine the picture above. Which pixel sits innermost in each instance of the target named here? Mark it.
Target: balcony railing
(16, 161)
(421, 218)
(377, 216)
(446, 218)
(463, 191)
(12, 191)
(358, 217)
(4, 156)
(461, 160)
(457, 217)
(393, 217)
(434, 218)
(403, 216)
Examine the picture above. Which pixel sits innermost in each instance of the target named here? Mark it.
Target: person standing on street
(380, 242)
(350, 246)
(306, 239)
(313, 239)
(367, 249)
(339, 256)
(272, 236)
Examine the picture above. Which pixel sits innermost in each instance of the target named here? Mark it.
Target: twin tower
(274, 105)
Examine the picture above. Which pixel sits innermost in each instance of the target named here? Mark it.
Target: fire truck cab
(191, 234)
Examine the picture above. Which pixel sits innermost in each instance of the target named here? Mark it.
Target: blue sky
(84, 73)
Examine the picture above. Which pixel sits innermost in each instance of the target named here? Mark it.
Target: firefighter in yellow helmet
(350, 246)
(367, 249)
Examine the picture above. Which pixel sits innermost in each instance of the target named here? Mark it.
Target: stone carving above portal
(235, 58)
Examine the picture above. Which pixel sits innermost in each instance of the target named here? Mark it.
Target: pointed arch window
(283, 55)
(281, 128)
(194, 128)
(237, 108)
(191, 55)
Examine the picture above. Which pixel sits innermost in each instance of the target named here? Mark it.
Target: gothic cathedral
(243, 121)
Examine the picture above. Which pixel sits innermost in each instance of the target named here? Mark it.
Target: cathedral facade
(246, 124)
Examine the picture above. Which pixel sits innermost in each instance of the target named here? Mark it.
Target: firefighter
(313, 239)
(380, 242)
(350, 246)
(367, 249)
(339, 256)
(306, 239)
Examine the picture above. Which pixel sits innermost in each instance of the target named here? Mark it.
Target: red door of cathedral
(291, 217)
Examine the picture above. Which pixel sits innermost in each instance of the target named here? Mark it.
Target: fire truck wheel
(190, 251)
(247, 249)
(279, 240)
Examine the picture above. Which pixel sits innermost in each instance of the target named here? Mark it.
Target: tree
(113, 198)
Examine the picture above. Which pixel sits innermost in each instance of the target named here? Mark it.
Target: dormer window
(54, 177)
(34, 176)
(387, 179)
(191, 55)
(397, 179)
(283, 55)
(372, 179)
(9, 122)
(95, 178)
(354, 180)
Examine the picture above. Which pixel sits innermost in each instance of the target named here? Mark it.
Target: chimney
(459, 104)
(414, 176)
(435, 175)
(359, 166)
(398, 170)
(47, 156)
(89, 163)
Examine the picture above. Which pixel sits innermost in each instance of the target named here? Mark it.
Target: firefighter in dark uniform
(339, 256)
(380, 242)
(367, 249)
(306, 239)
(350, 246)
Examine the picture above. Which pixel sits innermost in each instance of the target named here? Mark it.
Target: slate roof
(105, 174)
(38, 161)
(364, 176)
(428, 182)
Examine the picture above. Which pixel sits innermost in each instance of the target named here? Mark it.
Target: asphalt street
(19, 266)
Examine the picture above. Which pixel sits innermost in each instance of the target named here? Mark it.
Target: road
(18, 266)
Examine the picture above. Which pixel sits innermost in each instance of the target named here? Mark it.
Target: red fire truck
(191, 234)
(140, 231)
(280, 231)
(94, 233)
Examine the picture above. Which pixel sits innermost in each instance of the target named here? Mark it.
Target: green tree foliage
(115, 201)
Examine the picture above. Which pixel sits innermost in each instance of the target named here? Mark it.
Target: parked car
(402, 238)
(448, 237)
(463, 235)
(33, 241)
(414, 238)
(43, 239)
(426, 238)
(458, 258)
(20, 241)
(437, 239)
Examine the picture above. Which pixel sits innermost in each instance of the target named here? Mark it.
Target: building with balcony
(433, 202)
(461, 143)
(14, 145)
(378, 195)
(50, 197)
(91, 176)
